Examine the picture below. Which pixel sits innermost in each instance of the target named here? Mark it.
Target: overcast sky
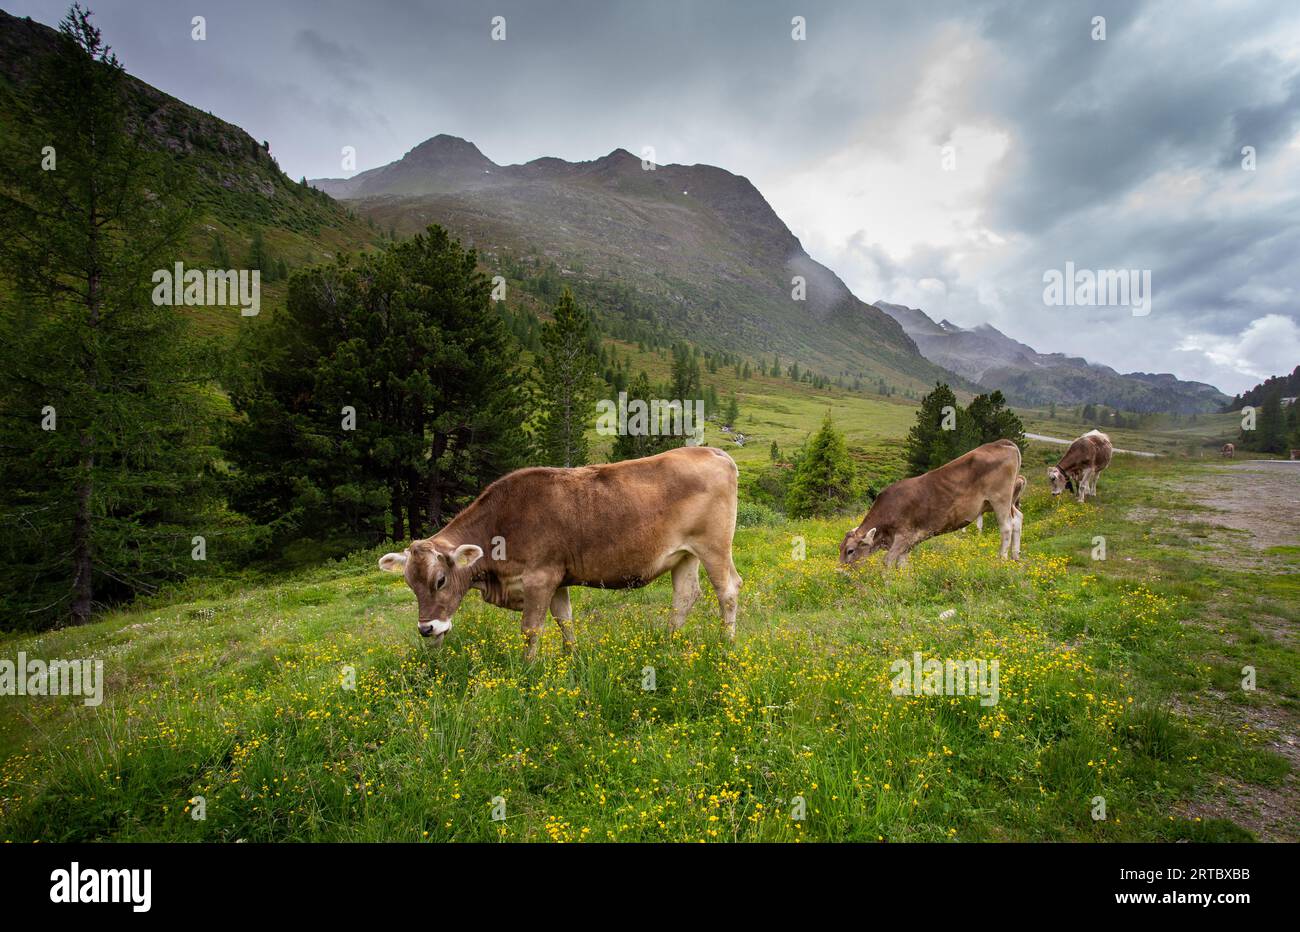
(1123, 153)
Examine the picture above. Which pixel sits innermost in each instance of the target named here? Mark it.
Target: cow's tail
(1021, 482)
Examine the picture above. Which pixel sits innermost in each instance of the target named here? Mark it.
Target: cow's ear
(393, 562)
(870, 538)
(466, 555)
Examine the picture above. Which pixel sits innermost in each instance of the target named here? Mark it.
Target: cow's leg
(898, 551)
(726, 583)
(686, 589)
(1084, 478)
(1018, 523)
(1006, 515)
(536, 600)
(979, 522)
(562, 612)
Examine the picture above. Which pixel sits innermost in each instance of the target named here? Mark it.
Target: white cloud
(1269, 346)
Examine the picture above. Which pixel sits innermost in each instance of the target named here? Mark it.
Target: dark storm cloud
(1268, 124)
(326, 52)
(1096, 118)
(1123, 153)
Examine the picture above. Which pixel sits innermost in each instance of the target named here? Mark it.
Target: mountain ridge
(700, 245)
(991, 358)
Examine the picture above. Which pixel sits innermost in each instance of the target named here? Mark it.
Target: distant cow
(1229, 451)
(1082, 464)
(535, 532)
(944, 499)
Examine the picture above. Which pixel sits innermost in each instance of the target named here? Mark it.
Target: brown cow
(944, 499)
(1082, 464)
(1021, 482)
(535, 532)
(1229, 451)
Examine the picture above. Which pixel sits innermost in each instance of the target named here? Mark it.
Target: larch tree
(107, 412)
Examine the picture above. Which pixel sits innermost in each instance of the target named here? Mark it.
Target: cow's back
(1101, 447)
(952, 495)
(614, 524)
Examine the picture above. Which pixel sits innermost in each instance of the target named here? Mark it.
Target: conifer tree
(381, 401)
(568, 377)
(988, 419)
(1271, 433)
(935, 438)
(733, 411)
(106, 411)
(822, 482)
(634, 443)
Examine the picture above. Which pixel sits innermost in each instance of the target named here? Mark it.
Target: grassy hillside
(1109, 673)
(781, 410)
(238, 185)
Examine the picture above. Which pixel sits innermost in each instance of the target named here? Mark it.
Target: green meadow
(304, 707)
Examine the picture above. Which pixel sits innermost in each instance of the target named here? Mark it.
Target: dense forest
(1270, 417)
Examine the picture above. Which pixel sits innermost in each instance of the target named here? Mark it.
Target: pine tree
(686, 378)
(629, 445)
(1271, 435)
(929, 445)
(568, 376)
(106, 415)
(259, 258)
(733, 411)
(988, 419)
(822, 482)
(408, 339)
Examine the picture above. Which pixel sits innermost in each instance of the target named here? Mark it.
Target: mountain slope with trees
(697, 248)
(248, 213)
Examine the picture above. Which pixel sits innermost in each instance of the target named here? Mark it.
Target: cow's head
(1059, 481)
(858, 543)
(439, 575)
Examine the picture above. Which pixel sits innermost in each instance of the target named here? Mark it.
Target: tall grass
(249, 709)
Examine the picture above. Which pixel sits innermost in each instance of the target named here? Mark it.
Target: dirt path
(1259, 497)
(1260, 500)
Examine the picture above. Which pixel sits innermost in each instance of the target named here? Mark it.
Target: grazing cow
(1082, 464)
(535, 532)
(1229, 451)
(944, 499)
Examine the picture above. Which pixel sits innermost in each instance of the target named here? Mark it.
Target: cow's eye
(442, 581)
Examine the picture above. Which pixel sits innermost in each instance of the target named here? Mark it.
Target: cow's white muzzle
(435, 627)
